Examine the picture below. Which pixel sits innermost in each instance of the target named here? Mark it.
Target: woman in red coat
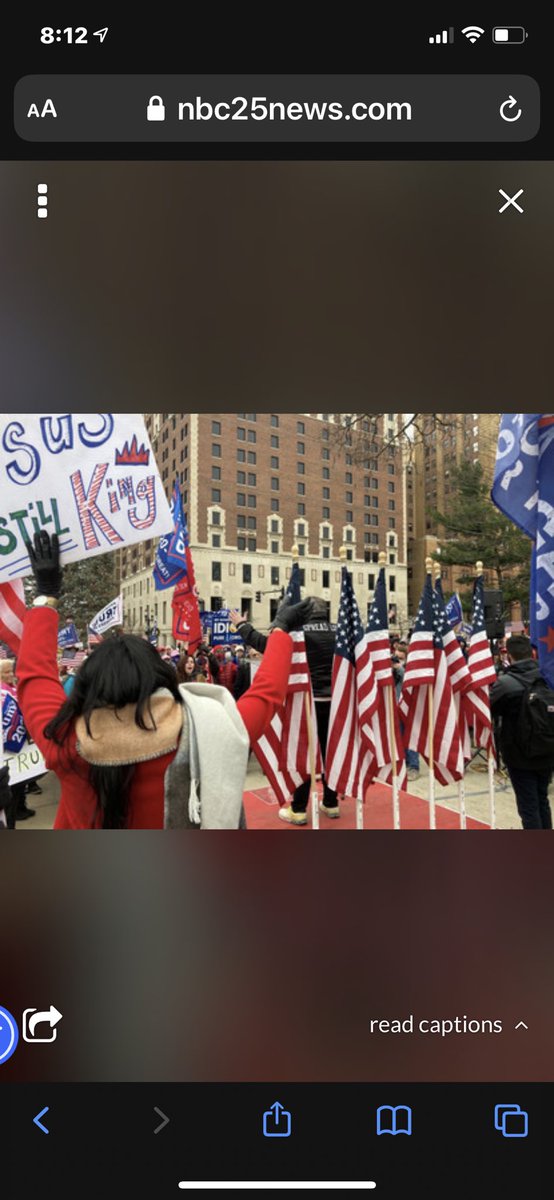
(127, 737)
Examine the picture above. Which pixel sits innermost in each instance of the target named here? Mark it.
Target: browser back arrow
(37, 1120)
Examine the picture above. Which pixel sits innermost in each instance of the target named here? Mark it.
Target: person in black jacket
(530, 776)
(319, 635)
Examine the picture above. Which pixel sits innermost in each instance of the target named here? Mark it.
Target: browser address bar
(276, 108)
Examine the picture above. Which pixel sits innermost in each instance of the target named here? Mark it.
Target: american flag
(456, 665)
(483, 674)
(350, 762)
(12, 613)
(387, 741)
(426, 667)
(283, 751)
(73, 661)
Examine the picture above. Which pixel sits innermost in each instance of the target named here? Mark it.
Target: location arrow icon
(164, 1121)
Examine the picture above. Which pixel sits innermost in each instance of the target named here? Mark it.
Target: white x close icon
(510, 200)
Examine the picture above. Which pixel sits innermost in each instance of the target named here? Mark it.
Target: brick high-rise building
(253, 484)
(448, 441)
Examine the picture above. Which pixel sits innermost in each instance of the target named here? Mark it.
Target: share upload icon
(9, 1035)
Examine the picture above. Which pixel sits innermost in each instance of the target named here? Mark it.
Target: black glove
(45, 563)
(5, 791)
(292, 616)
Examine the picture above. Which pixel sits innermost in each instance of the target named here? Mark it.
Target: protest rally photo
(277, 621)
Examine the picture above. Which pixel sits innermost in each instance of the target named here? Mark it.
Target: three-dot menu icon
(42, 200)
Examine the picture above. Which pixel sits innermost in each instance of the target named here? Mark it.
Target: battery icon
(509, 35)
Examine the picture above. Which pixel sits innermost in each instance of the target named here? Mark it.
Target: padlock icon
(156, 109)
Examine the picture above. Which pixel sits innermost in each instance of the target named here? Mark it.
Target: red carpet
(262, 808)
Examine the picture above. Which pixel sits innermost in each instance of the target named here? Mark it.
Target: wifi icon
(473, 32)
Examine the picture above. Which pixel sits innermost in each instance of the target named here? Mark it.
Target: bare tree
(374, 438)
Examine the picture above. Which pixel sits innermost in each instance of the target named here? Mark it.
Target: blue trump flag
(454, 610)
(68, 636)
(293, 590)
(523, 489)
(171, 558)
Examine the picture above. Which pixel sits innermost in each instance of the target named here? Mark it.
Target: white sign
(26, 764)
(109, 616)
(89, 477)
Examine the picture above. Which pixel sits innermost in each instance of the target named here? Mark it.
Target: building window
(300, 448)
(326, 472)
(275, 576)
(251, 501)
(392, 523)
(348, 535)
(241, 476)
(247, 573)
(275, 420)
(366, 501)
(274, 504)
(216, 518)
(275, 527)
(348, 477)
(216, 540)
(275, 547)
(251, 479)
(325, 579)
(349, 497)
(300, 468)
(325, 512)
(241, 543)
(216, 496)
(274, 462)
(241, 455)
(374, 519)
(241, 500)
(216, 572)
(301, 509)
(274, 484)
(375, 502)
(216, 428)
(392, 560)
(216, 450)
(274, 442)
(251, 523)
(325, 434)
(392, 583)
(300, 427)
(349, 555)
(325, 532)
(251, 457)
(301, 489)
(371, 583)
(349, 515)
(241, 434)
(302, 549)
(392, 505)
(390, 486)
(241, 521)
(325, 454)
(252, 543)
(251, 435)
(325, 551)
(301, 529)
(326, 492)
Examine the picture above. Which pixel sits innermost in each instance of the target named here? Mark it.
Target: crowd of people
(127, 780)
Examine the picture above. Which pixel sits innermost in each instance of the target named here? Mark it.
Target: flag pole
(490, 754)
(431, 734)
(392, 735)
(311, 743)
(359, 800)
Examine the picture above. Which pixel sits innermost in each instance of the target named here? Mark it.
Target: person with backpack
(525, 703)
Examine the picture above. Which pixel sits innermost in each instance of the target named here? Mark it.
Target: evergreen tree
(87, 587)
(475, 529)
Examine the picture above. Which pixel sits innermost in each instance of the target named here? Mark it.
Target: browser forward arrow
(164, 1121)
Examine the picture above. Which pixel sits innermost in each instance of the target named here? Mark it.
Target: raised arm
(39, 691)
(267, 693)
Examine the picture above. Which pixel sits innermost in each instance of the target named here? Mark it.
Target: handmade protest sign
(24, 759)
(89, 477)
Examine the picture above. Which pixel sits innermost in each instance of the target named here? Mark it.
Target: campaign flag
(523, 489)
(283, 752)
(454, 610)
(350, 762)
(292, 593)
(110, 615)
(91, 478)
(23, 758)
(187, 626)
(171, 558)
(153, 634)
(68, 636)
(483, 674)
(14, 733)
(384, 728)
(12, 613)
(456, 663)
(426, 668)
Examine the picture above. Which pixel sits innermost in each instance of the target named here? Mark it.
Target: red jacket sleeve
(268, 691)
(39, 691)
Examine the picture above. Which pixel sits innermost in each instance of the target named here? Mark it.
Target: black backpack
(535, 725)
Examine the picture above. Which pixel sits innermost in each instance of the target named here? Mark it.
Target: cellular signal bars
(442, 39)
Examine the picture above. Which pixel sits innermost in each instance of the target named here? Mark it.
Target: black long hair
(123, 670)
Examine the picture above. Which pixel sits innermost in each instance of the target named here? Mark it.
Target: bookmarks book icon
(394, 1120)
